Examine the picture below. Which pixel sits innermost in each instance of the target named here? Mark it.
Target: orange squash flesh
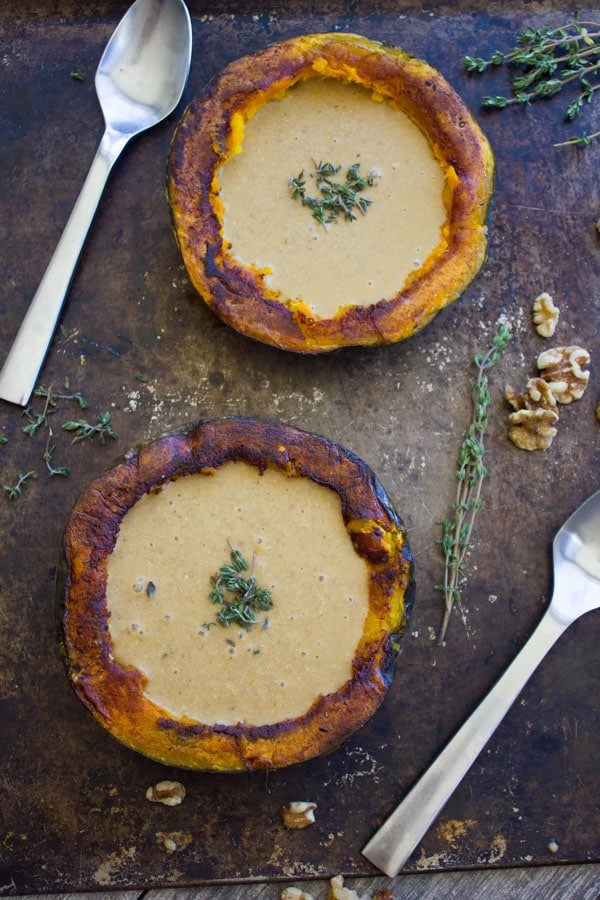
(211, 132)
(115, 694)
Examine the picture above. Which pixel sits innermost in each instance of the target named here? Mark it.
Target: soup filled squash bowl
(328, 191)
(232, 595)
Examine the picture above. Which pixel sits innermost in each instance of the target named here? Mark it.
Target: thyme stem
(470, 473)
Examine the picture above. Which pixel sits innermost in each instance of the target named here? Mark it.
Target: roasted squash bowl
(217, 130)
(125, 697)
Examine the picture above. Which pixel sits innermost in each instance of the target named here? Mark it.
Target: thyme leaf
(549, 60)
(334, 199)
(470, 473)
(238, 596)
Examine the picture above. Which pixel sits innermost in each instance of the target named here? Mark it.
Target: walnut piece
(545, 315)
(532, 429)
(337, 891)
(562, 368)
(294, 893)
(538, 393)
(170, 793)
(298, 814)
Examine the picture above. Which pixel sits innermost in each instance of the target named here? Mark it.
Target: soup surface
(343, 263)
(162, 621)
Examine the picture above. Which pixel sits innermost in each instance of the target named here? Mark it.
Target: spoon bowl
(576, 559)
(133, 94)
(139, 82)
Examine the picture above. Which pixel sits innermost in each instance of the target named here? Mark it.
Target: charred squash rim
(211, 131)
(115, 694)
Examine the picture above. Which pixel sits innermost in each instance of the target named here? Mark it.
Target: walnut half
(532, 429)
(562, 368)
(545, 315)
(538, 393)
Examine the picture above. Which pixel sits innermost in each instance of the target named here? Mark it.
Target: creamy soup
(343, 263)
(163, 622)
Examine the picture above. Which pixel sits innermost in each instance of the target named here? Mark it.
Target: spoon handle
(394, 842)
(31, 343)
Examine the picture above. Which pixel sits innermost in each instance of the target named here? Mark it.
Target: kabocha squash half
(232, 595)
(328, 191)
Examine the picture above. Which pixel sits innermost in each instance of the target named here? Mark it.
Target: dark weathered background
(73, 812)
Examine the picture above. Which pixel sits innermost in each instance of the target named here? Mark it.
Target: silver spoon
(576, 554)
(139, 82)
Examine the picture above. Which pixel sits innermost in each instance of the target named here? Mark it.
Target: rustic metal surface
(73, 812)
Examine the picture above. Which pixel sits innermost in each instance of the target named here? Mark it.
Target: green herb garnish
(550, 59)
(470, 473)
(47, 457)
(14, 491)
(36, 419)
(82, 429)
(335, 199)
(238, 596)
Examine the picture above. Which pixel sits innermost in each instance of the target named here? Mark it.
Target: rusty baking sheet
(136, 342)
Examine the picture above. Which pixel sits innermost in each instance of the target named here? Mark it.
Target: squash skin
(206, 138)
(115, 694)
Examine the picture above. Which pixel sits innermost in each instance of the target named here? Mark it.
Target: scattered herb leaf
(82, 429)
(549, 60)
(47, 457)
(77, 74)
(14, 491)
(53, 397)
(336, 199)
(38, 419)
(471, 471)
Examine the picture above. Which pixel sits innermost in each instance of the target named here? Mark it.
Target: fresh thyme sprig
(14, 491)
(82, 429)
(470, 473)
(239, 597)
(335, 198)
(47, 457)
(550, 59)
(37, 419)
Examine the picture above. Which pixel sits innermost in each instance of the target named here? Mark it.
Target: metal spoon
(576, 554)
(139, 82)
